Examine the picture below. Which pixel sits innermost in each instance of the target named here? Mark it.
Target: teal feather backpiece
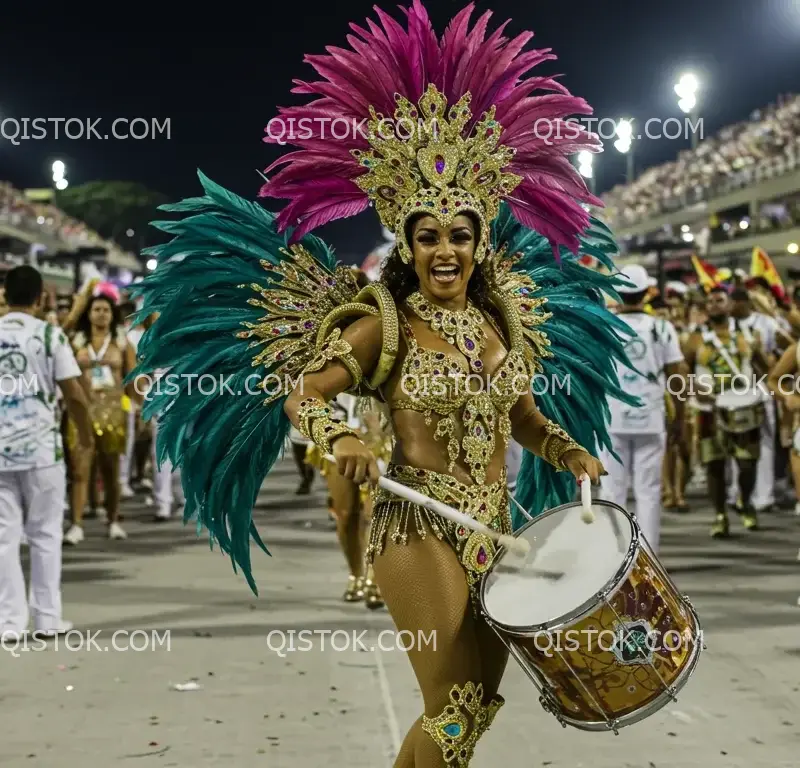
(584, 339)
(237, 315)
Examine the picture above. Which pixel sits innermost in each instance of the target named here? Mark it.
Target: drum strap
(712, 337)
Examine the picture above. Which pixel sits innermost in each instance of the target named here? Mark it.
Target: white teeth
(446, 270)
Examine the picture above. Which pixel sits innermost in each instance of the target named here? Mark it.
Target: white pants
(764, 491)
(33, 499)
(513, 463)
(166, 481)
(642, 458)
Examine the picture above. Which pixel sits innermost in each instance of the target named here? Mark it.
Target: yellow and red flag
(761, 266)
(707, 275)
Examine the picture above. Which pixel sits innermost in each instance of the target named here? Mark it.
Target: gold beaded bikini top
(440, 383)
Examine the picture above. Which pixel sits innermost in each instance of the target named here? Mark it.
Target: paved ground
(64, 708)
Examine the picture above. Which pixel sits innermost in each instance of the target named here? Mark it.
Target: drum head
(569, 563)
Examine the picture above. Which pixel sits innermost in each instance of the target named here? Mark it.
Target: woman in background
(106, 358)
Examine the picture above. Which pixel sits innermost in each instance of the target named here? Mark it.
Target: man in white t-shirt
(36, 361)
(638, 433)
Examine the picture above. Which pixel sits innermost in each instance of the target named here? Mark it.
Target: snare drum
(593, 619)
(739, 412)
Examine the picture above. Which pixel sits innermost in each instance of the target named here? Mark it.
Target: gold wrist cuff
(309, 409)
(557, 443)
(324, 431)
(317, 424)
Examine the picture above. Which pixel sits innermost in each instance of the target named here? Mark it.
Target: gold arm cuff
(336, 348)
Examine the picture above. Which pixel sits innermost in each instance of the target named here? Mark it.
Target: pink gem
(481, 556)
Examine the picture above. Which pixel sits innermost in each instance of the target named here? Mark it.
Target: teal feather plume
(222, 435)
(586, 339)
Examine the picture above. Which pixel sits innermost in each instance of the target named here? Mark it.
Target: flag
(761, 266)
(707, 275)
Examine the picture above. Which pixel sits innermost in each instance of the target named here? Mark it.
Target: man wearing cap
(639, 434)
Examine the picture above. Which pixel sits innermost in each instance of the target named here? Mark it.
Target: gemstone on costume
(453, 730)
(470, 344)
(439, 164)
(481, 556)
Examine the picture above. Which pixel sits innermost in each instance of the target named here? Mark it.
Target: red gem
(489, 131)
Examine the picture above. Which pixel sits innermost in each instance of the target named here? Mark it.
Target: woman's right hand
(355, 461)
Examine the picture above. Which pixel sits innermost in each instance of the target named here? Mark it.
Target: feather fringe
(222, 436)
(587, 340)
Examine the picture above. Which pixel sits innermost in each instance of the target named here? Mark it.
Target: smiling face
(444, 257)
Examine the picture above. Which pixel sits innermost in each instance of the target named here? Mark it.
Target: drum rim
(584, 609)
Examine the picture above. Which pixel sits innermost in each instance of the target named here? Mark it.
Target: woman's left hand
(581, 463)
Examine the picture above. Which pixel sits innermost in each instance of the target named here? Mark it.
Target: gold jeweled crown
(427, 166)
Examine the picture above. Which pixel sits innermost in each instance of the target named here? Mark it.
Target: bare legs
(347, 511)
(108, 466)
(425, 589)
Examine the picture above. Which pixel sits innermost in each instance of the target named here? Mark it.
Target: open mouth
(445, 274)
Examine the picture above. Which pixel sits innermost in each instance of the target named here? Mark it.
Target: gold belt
(487, 504)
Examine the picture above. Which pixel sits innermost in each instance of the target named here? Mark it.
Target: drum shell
(739, 421)
(585, 683)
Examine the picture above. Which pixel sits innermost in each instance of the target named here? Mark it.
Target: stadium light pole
(624, 144)
(686, 89)
(586, 169)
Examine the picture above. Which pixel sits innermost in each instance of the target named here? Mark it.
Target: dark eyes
(458, 237)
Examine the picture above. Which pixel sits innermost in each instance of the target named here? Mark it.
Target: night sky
(623, 57)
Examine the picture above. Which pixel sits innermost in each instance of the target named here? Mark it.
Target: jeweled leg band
(457, 729)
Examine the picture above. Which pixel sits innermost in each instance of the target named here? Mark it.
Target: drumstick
(587, 514)
(519, 546)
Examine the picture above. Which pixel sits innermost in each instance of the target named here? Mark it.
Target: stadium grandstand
(66, 250)
(736, 191)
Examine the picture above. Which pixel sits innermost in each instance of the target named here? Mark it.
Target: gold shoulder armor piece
(375, 301)
(378, 295)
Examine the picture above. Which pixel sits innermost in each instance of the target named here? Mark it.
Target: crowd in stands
(43, 218)
(765, 146)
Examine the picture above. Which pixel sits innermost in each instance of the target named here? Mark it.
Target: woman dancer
(105, 358)
(489, 222)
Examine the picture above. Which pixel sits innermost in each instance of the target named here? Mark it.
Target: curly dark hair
(84, 324)
(402, 280)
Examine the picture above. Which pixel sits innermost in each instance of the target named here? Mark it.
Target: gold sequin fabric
(109, 422)
(439, 383)
(394, 517)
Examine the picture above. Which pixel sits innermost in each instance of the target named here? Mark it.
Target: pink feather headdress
(524, 140)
